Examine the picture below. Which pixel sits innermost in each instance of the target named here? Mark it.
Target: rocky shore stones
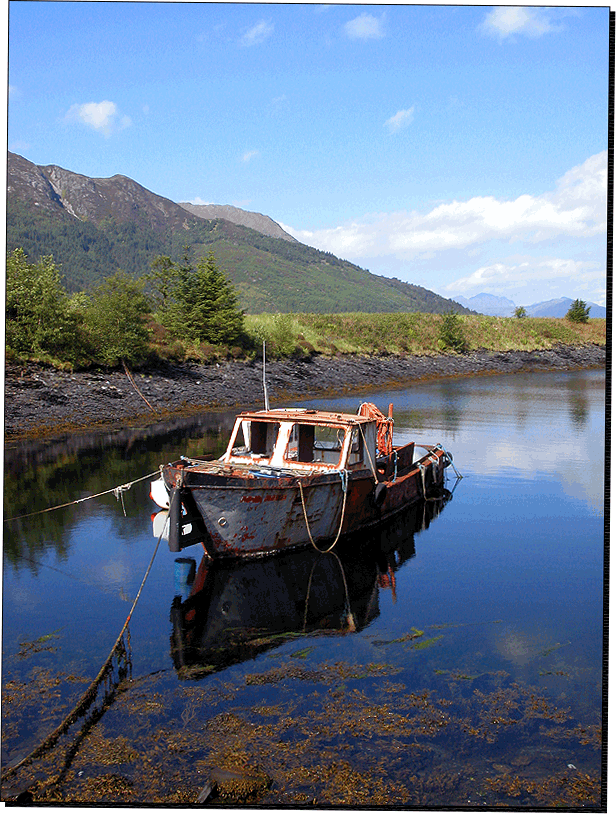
(43, 401)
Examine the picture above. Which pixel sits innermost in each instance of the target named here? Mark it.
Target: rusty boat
(295, 477)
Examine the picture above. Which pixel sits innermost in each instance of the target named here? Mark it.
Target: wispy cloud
(576, 208)
(212, 34)
(104, 117)
(258, 33)
(249, 155)
(505, 21)
(503, 276)
(19, 146)
(14, 93)
(400, 120)
(365, 27)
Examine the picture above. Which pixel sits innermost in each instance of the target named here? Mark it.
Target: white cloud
(258, 33)
(505, 21)
(400, 120)
(199, 202)
(249, 155)
(365, 27)
(101, 116)
(501, 276)
(577, 208)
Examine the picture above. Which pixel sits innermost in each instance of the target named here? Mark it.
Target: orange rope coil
(384, 426)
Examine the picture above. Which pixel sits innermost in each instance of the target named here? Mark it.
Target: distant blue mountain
(502, 307)
(488, 304)
(559, 308)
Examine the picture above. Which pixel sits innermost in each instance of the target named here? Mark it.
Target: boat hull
(240, 516)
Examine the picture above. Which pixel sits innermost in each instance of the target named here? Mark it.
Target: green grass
(412, 334)
(297, 335)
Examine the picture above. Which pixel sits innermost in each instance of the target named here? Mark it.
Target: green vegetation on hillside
(269, 274)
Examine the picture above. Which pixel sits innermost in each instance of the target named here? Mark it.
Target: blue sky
(461, 148)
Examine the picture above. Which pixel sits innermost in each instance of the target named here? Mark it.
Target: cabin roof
(307, 416)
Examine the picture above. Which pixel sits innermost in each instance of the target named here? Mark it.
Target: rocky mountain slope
(94, 226)
(59, 191)
(253, 220)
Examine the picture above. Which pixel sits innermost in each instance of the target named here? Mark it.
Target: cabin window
(356, 453)
(259, 439)
(310, 443)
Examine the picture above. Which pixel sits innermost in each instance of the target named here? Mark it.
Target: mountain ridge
(241, 217)
(94, 226)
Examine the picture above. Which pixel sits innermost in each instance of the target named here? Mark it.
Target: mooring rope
(344, 477)
(117, 491)
(90, 694)
(132, 381)
(349, 614)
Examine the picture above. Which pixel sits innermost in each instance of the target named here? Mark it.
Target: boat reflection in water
(227, 612)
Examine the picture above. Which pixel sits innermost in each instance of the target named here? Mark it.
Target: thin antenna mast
(264, 382)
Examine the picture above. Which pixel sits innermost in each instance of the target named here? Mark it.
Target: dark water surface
(455, 662)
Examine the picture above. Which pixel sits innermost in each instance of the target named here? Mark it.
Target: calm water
(456, 662)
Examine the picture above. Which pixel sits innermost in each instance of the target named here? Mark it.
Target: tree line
(188, 309)
(121, 318)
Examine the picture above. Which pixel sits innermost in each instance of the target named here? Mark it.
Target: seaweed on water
(40, 645)
(302, 654)
(109, 787)
(98, 749)
(408, 637)
(425, 643)
(571, 789)
(325, 673)
(333, 741)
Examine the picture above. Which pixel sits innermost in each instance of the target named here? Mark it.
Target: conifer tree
(199, 303)
(578, 311)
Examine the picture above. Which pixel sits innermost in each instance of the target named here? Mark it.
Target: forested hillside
(95, 227)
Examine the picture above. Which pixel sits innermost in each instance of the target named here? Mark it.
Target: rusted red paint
(246, 519)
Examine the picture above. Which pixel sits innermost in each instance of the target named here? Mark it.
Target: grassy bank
(301, 335)
(418, 334)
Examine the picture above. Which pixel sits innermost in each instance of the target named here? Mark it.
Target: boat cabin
(302, 440)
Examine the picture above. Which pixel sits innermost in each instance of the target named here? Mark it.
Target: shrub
(40, 321)
(451, 333)
(115, 318)
(280, 334)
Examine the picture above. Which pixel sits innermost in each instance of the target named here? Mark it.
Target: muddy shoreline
(41, 402)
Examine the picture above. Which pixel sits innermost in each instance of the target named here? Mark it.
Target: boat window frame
(233, 453)
(286, 460)
(355, 432)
